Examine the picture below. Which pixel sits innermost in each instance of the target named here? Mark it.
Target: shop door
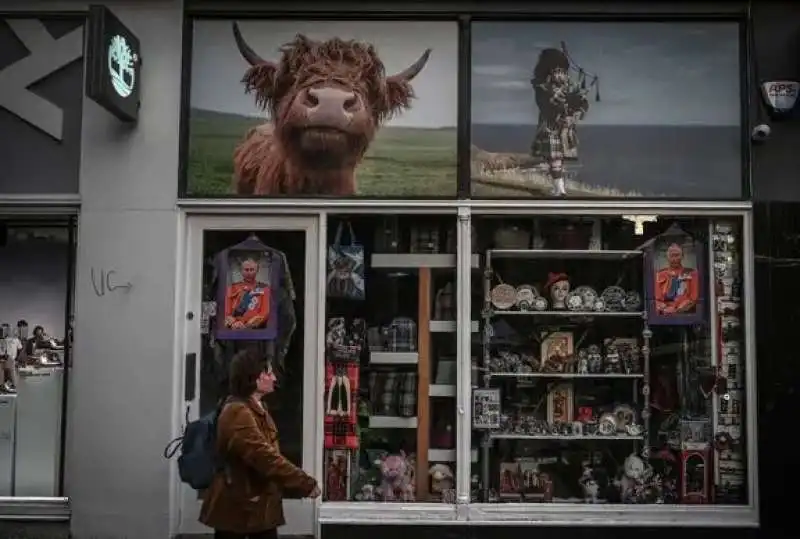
(216, 251)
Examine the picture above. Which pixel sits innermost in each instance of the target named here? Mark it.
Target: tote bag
(346, 267)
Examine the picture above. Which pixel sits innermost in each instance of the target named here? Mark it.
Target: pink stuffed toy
(395, 479)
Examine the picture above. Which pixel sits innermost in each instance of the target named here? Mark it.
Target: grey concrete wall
(124, 377)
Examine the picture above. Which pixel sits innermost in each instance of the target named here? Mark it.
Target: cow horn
(247, 53)
(413, 70)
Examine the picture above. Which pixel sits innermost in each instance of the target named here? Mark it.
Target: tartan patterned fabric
(402, 335)
(341, 398)
(548, 143)
(407, 395)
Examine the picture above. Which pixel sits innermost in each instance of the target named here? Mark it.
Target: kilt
(548, 143)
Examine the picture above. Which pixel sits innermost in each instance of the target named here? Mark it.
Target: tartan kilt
(548, 144)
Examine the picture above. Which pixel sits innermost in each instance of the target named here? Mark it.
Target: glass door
(221, 252)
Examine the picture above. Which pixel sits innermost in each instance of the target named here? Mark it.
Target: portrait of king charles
(247, 299)
(677, 286)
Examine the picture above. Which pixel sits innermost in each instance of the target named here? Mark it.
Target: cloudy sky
(217, 66)
(650, 73)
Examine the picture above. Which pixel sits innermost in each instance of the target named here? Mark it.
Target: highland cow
(326, 100)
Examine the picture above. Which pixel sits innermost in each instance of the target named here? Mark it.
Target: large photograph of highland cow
(596, 109)
(323, 109)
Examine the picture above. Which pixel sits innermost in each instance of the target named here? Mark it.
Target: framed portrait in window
(246, 301)
(675, 278)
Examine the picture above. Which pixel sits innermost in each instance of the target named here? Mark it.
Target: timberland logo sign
(46, 56)
(780, 95)
(113, 65)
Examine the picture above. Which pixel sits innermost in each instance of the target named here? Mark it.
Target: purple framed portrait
(675, 279)
(248, 274)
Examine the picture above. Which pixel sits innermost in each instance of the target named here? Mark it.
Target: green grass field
(401, 161)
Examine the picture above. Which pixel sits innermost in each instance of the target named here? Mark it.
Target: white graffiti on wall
(47, 55)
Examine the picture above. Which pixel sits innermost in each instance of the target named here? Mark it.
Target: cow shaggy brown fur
(326, 100)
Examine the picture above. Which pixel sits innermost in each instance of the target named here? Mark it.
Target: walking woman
(245, 498)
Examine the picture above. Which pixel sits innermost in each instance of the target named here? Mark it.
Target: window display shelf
(442, 390)
(511, 436)
(449, 455)
(568, 314)
(590, 254)
(569, 375)
(392, 422)
(417, 260)
(449, 326)
(393, 358)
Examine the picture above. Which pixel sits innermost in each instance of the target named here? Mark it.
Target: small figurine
(583, 361)
(612, 359)
(589, 484)
(559, 286)
(595, 359)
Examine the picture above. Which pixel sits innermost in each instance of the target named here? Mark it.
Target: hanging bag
(346, 267)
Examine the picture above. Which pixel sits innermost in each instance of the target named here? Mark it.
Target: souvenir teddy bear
(441, 478)
(396, 483)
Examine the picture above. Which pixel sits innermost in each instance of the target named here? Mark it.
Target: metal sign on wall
(41, 103)
(113, 63)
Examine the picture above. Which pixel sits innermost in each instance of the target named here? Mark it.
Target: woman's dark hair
(246, 367)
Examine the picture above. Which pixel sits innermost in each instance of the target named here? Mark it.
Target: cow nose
(333, 101)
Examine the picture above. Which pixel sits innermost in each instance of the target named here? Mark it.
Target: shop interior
(607, 360)
(35, 286)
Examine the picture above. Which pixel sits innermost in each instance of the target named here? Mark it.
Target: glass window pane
(33, 350)
(610, 364)
(390, 359)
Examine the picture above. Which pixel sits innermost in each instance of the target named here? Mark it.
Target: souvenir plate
(504, 296)
(540, 303)
(589, 296)
(574, 302)
(633, 301)
(634, 466)
(525, 296)
(614, 297)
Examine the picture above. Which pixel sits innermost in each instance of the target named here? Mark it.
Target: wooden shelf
(393, 358)
(417, 260)
(449, 326)
(562, 254)
(570, 375)
(392, 422)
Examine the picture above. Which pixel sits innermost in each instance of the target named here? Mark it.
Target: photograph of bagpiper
(601, 109)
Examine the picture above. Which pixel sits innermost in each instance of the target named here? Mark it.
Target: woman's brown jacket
(246, 495)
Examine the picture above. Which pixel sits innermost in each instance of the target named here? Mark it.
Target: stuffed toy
(396, 478)
(441, 478)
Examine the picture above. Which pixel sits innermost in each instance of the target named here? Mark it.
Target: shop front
(40, 115)
(505, 281)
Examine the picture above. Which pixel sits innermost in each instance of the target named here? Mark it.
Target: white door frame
(301, 515)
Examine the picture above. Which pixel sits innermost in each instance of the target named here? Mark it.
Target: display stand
(423, 265)
(641, 442)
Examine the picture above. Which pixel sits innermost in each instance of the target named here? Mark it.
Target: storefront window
(390, 359)
(34, 348)
(611, 359)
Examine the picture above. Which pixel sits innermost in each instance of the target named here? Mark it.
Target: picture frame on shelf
(557, 351)
(486, 406)
(561, 404)
(675, 278)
